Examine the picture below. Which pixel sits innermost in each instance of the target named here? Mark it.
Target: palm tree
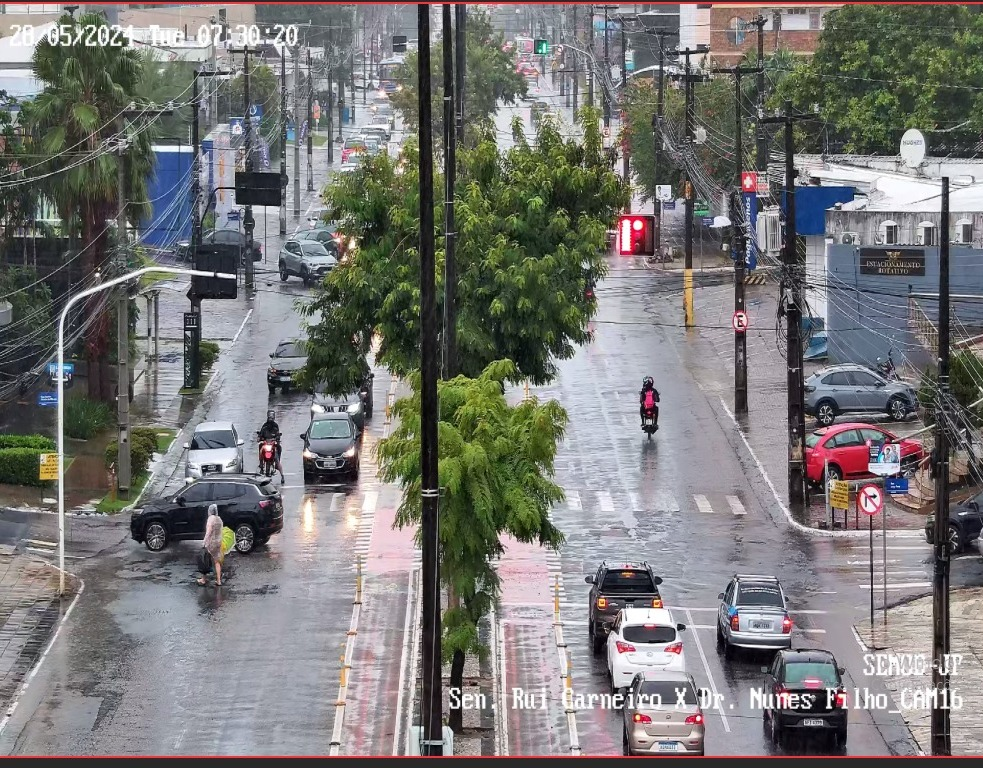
(76, 122)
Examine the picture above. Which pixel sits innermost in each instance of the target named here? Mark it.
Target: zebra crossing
(654, 501)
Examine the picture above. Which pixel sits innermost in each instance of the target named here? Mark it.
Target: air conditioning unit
(850, 238)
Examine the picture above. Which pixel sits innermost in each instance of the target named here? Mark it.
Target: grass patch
(319, 140)
(110, 506)
(152, 277)
(164, 439)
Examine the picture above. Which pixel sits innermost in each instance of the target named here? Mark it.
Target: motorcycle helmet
(271, 415)
(648, 381)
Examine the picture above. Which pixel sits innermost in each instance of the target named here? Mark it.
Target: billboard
(168, 190)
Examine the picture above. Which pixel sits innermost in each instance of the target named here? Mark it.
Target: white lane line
(241, 326)
(404, 659)
(703, 505)
(573, 501)
(636, 502)
(811, 631)
(925, 548)
(910, 585)
(606, 502)
(665, 501)
(735, 505)
(706, 667)
(337, 501)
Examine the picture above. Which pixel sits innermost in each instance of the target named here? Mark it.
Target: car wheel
(625, 746)
(955, 540)
(826, 413)
(897, 409)
(596, 644)
(777, 734)
(306, 277)
(833, 472)
(271, 388)
(283, 272)
(245, 538)
(155, 537)
(720, 637)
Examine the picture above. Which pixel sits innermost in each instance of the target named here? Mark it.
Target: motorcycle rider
(648, 399)
(271, 431)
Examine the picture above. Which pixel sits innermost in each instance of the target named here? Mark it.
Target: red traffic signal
(636, 235)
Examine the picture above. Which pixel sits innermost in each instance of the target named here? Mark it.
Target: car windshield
(797, 672)
(207, 441)
(649, 634)
(313, 248)
(667, 693)
(635, 582)
(291, 349)
(329, 429)
(760, 594)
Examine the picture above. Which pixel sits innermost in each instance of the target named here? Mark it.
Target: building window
(927, 233)
(964, 231)
(815, 20)
(889, 233)
(737, 31)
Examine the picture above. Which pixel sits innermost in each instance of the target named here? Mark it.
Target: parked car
(846, 448)
(538, 109)
(856, 389)
(286, 361)
(615, 586)
(753, 614)
(307, 259)
(248, 504)
(965, 524)
(215, 447)
(662, 715)
(380, 127)
(643, 639)
(805, 694)
(331, 446)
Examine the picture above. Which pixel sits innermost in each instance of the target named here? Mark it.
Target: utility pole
(328, 112)
(625, 159)
(283, 140)
(740, 237)
(657, 131)
(123, 468)
(248, 222)
(450, 172)
(341, 101)
(941, 744)
(762, 139)
(590, 56)
(791, 298)
(310, 122)
(431, 699)
(607, 74)
(365, 60)
(460, 66)
(576, 65)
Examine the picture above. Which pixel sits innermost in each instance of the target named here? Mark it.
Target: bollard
(344, 672)
(358, 579)
(569, 673)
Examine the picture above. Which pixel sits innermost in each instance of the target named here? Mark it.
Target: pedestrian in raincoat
(213, 543)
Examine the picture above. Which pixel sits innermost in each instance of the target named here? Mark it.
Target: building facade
(733, 32)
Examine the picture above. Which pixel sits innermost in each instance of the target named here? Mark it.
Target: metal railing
(924, 329)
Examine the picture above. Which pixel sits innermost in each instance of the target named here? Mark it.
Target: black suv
(615, 586)
(804, 693)
(965, 524)
(248, 504)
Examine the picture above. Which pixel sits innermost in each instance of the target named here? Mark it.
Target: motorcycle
(886, 368)
(650, 424)
(267, 456)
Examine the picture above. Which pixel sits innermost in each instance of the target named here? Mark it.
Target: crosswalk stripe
(573, 500)
(735, 505)
(606, 502)
(636, 503)
(665, 501)
(703, 505)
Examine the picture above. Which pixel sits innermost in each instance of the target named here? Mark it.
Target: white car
(215, 447)
(643, 640)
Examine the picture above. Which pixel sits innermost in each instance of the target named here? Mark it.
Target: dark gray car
(856, 389)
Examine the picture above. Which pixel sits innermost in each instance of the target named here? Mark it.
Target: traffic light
(399, 43)
(636, 235)
(541, 47)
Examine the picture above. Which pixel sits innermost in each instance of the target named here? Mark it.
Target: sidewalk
(904, 648)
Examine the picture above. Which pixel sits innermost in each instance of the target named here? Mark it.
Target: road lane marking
(337, 501)
(636, 502)
(404, 659)
(241, 326)
(665, 501)
(573, 501)
(706, 667)
(910, 585)
(606, 502)
(703, 505)
(735, 505)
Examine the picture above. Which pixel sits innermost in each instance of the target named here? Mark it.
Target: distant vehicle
(380, 127)
(804, 694)
(856, 389)
(286, 360)
(382, 111)
(538, 109)
(842, 451)
(248, 504)
(372, 145)
(753, 613)
(221, 237)
(354, 145)
(358, 405)
(965, 524)
(309, 260)
(330, 446)
(614, 586)
(215, 447)
(328, 236)
(643, 639)
(662, 715)
(390, 71)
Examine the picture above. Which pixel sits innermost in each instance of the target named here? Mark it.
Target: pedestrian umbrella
(228, 540)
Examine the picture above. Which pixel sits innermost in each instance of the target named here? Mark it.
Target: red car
(847, 448)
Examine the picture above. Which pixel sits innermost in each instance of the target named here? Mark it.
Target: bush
(207, 354)
(86, 418)
(20, 466)
(38, 442)
(146, 435)
(140, 456)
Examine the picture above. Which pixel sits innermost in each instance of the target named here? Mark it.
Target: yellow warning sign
(839, 494)
(49, 466)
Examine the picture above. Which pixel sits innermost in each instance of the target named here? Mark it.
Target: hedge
(207, 354)
(21, 466)
(140, 455)
(38, 442)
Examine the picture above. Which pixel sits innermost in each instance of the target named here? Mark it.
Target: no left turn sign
(739, 321)
(869, 500)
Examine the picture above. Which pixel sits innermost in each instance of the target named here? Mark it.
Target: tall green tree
(264, 90)
(495, 464)
(73, 122)
(168, 82)
(881, 69)
(490, 77)
(533, 223)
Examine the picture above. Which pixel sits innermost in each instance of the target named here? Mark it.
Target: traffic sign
(48, 399)
(749, 181)
(885, 460)
(869, 500)
(317, 111)
(739, 321)
(669, 205)
(48, 467)
(701, 208)
(708, 221)
(896, 485)
(763, 189)
(839, 494)
(235, 126)
(67, 370)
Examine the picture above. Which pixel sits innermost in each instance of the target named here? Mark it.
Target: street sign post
(700, 208)
(896, 486)
(870, 502)
(48, 468)
(739, 321)
(839, 494)
(708, 221)
(48, 399)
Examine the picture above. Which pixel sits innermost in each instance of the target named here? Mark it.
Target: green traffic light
(541, 47)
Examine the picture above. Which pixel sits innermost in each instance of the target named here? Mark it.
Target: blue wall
(169, 192)
(811, 204)
(868, 314)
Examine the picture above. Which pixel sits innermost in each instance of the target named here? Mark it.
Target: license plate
(814, 723)
(760, 625)
(330, 464)
(210, 468)
(668, 746)
(285, 379)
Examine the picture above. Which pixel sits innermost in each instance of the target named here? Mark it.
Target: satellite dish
(913, 148)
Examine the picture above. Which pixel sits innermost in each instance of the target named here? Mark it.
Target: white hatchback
(643, 640)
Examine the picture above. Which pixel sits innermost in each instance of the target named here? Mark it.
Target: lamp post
(61, 383)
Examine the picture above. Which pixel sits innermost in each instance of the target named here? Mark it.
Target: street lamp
(61, 384)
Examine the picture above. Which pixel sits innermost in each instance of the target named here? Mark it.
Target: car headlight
(315, 408)
(354, 407)
(194, 466)
(309, 454)
(272, 371)
(349, 453)
(232, 463)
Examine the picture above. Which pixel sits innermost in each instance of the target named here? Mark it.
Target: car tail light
(657, 602)
(809, 388)
(783, 697)
(676, 648)
(624, 647)
(735, 623)
(265, 504)
(841, 699)
(639, 718)
(696, 719)
(602, 603)
(786, 626)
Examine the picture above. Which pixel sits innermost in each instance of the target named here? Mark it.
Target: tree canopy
(532, 224)
(881, 69)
